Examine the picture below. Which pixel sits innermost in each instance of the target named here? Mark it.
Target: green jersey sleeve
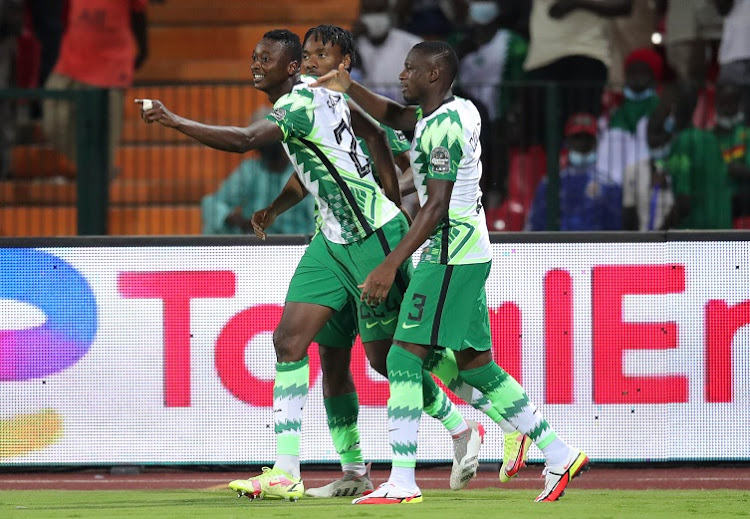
(396, 140)
(294, 113)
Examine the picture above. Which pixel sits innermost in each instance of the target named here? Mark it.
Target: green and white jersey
(397, 142)
(446, 147)
(323, 149)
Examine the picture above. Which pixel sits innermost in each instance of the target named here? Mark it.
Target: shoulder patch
(400, 135)
(440, 160)
(278, 113)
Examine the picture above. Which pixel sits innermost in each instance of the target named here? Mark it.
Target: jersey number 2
(339, 133)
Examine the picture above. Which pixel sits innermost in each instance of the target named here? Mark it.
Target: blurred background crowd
(597, 114)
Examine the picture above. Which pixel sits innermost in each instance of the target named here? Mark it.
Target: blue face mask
(669, 124)
(632, 95)
(483, 13)
(578, 159)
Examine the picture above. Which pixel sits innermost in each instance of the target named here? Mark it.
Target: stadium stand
(199, 64)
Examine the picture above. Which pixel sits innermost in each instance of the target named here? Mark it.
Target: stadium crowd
(597, 114)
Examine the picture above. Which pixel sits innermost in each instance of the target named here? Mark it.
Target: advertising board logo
(51, 288)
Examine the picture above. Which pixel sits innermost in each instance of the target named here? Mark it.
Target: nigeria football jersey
(446, 147)
(324, 151)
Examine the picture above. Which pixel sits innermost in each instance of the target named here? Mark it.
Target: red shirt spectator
(99, 33)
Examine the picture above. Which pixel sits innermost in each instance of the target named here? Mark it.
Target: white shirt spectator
(618, 149)
(652, 204)
(381, 65)
(735, 42)
(580, 32)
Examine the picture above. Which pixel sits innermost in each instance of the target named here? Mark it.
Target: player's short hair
(444, 55)
(289, 40)
(336, 36)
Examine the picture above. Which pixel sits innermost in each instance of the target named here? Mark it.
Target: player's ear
(347, 61)
(434, 74)
(293, 68)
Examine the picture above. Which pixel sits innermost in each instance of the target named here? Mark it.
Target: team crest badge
(440, 160)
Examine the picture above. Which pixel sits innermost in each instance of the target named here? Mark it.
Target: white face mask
(377, 24)
(578, 159)
(729, 122)
(482, 13)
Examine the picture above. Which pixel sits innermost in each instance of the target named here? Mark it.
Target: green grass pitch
(188, 504)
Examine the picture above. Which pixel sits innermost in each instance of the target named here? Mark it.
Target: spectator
(570, 45)
(734, 53)
(624, 142)
(381, 48)
(430, 19)
(492, 56)
(585, 202)
(698, 173)
(253, 185)
(47, 19)
(733, 135)
(628, 33)
(104, 43)
(646, 188)
(11, 22)
(693, 27)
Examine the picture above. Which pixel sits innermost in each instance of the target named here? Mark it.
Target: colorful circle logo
(46, 283)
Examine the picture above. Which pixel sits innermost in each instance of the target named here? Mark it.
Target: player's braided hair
(289, 40)
(336, 36)
(444, 55)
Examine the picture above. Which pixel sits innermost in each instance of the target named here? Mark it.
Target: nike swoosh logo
(371, 325)
(387, 322)
(407, 326)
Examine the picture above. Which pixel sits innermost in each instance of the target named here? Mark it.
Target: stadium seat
(527, 167)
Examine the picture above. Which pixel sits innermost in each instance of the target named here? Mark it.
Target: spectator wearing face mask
(625, 141)
(698, 172)
(381, 48)
(494, 56)
(585, 202)
(647, 195)
(733, 135)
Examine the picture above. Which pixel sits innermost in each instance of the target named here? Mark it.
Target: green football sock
(442, 363)
(511, 401)
(342, 411)
(289, 397)
(405, 405)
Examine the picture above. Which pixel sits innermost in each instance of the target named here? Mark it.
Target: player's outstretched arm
(226, 138)
(381, 108)
(291, 194)
(378, 282)
(375, 137)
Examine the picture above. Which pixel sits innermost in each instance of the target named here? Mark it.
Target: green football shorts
(329, 274)
(446, 305)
